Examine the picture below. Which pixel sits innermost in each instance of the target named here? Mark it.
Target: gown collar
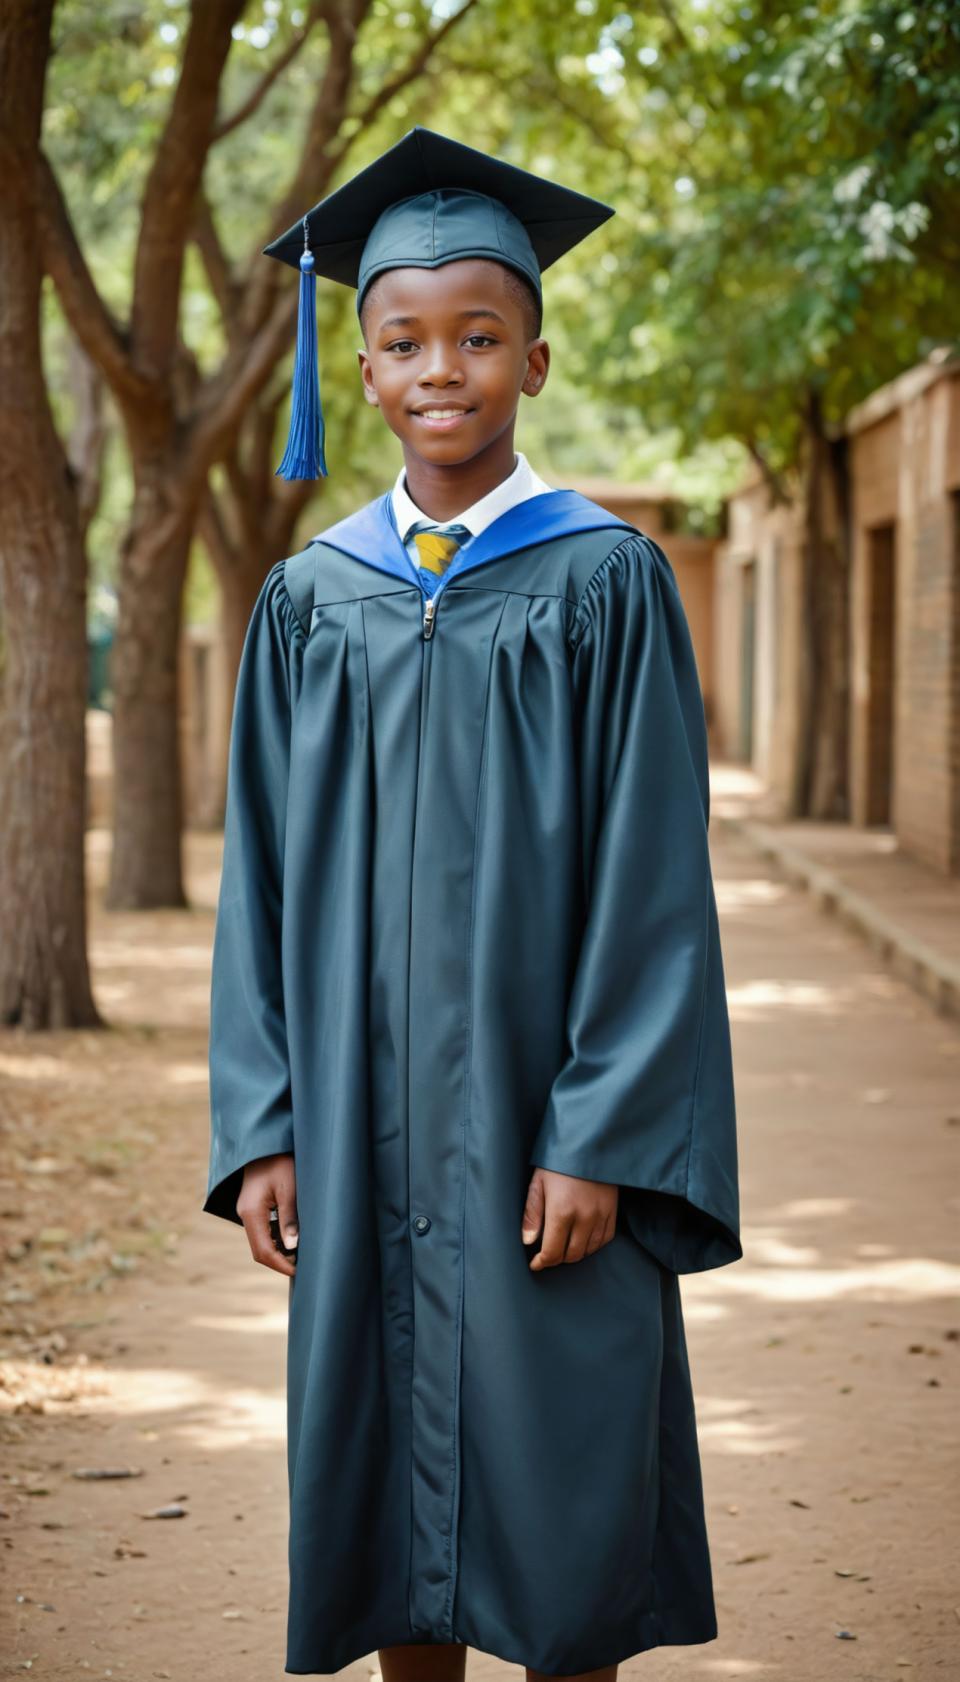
(371, 535)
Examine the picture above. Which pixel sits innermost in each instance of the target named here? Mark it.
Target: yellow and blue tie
(436, 550)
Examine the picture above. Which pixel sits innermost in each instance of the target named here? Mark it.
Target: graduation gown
(467, 925)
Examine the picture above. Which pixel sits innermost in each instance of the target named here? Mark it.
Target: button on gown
(467, 926)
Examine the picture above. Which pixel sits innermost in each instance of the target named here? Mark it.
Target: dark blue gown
(467, 925)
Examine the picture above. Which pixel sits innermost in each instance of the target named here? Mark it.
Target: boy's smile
(448, 353)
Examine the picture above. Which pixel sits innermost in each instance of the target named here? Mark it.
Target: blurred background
(757, 361)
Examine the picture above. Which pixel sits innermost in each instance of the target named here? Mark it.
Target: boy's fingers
(287, 1216)
(256, 1224)
(556, 1231)
(570, 1236)
(580, 1234)
(596, 1233)
(532, 1218)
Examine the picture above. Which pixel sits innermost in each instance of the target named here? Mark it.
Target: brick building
(903, 543)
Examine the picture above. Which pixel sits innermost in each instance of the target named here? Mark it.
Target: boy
(469, 1033)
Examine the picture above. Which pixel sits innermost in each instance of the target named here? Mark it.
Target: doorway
(748, 637)
(881, 668)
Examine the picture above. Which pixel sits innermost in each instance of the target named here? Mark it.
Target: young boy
(469, 1034)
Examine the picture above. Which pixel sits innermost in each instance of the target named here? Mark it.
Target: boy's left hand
(576, 1216)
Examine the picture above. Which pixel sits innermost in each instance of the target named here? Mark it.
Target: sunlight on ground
(737, 1667)
(736, 894)
(256, 1325)
(698, 1311)
(126, 954)
(185, 1074)
(914, 1278)
(774, 1252)
(191, 1004)
(34, 1066)
(210, 1415)
(754, 997)
(813, 1208)
(735, 1436)
(732, 1426)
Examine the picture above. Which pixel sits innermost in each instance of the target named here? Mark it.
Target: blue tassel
(303, 457)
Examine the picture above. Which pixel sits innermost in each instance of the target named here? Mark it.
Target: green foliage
(785, 174)
(797, 192)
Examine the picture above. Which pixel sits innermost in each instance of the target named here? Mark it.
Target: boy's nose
(441, 370)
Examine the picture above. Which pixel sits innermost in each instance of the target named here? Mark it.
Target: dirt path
(138, 1334)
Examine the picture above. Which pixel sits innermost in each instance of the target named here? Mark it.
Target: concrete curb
(927, 970)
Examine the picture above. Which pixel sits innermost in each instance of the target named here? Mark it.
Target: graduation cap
(424, 202)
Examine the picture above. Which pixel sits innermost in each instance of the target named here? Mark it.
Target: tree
(794, 246)
(178, 420)
(44, 978)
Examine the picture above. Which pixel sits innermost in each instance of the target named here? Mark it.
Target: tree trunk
(246, 526)
(44, 976)
(85, 446)
(821, 788)
(146, 869)
(236, 608)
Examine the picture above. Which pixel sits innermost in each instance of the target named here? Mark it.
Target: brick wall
(767, 540)
(905, 478)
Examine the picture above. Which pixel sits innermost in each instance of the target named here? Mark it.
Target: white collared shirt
(516, 487)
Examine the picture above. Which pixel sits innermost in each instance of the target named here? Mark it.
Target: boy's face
(451, 338)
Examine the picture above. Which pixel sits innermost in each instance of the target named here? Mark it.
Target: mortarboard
(425, 201)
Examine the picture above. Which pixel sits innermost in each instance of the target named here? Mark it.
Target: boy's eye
(474, 338)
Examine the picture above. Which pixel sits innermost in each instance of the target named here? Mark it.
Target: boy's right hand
(270, 1183)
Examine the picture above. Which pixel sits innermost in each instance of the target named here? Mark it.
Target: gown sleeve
(645, 1096)
(250, 1101)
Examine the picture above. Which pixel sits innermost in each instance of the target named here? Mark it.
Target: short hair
(517, 285)
(521, 291)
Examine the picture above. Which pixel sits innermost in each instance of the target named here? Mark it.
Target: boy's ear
(538, 366)
(366, 377)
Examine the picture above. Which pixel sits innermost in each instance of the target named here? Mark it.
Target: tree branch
(776, 489)
(260, 90)
(241, 378)
(103, 338)
(223, 283)
(314, 169)
(395, 84)
(173, 183)
(213, 533)
(320, 158)
(267, 315)
(85, 445)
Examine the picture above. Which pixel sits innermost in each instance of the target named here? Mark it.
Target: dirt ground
(138, 1335)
